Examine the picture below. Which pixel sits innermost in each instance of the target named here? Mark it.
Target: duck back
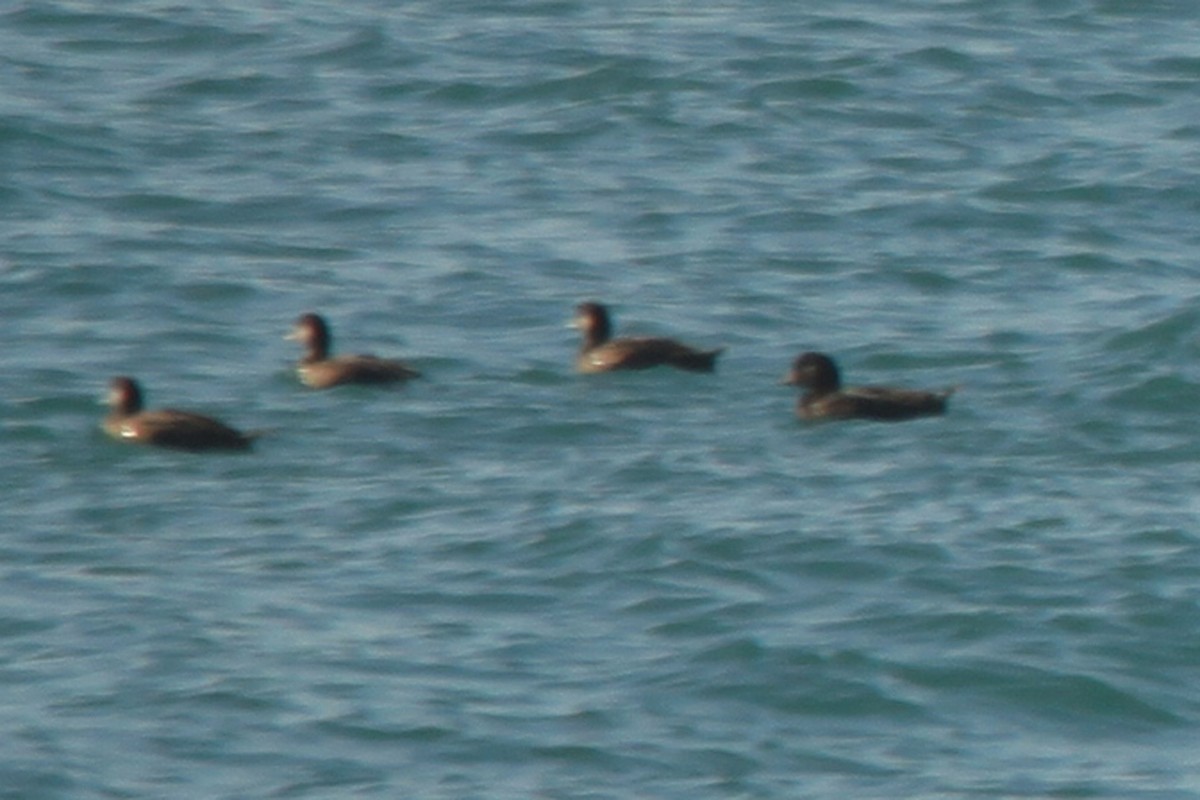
(645, 354)
(874, 402)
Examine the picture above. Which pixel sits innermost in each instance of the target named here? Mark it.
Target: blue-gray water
(509, 581)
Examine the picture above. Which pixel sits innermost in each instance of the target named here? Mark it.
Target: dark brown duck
(826, 399)
(602, 353)
(165, 427)
(320, 370)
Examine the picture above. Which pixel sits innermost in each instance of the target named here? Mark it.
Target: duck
(320, 370)
(826, 399)
(602, 353)
(165, 427)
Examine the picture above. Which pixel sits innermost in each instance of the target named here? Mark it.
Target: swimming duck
(826, 399)
(165, 427)
(601, 353)
(320, 370)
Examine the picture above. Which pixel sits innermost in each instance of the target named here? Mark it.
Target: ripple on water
(604, 586)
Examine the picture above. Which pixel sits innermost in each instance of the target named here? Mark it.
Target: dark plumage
(826, 399)
(320, 370)
(165, 427)
(601, 353)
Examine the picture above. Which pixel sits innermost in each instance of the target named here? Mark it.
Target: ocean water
(510, 581)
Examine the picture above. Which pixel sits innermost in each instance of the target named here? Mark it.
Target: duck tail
(258, 433)
(701, 360)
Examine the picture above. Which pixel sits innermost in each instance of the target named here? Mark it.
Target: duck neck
(126, 402)
(598, 332)
(826, 381)
(823, 387)
(318, 348)
(814, 395)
